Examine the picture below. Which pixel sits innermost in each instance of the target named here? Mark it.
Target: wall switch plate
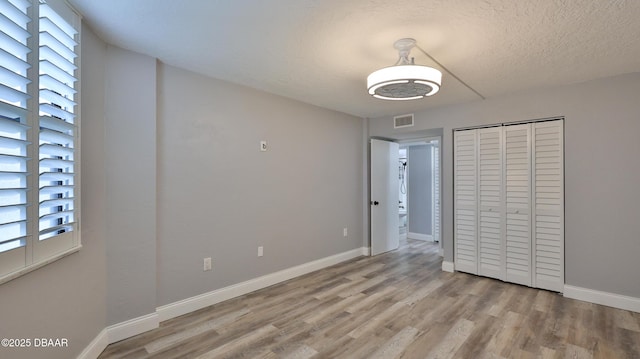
(263, 146)
(345, 231)
(260, 251)
(207, 264)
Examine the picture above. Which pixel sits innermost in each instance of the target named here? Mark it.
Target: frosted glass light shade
(404, 82)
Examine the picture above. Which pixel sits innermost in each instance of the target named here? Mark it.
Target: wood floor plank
(396, 345)
(453, 340)
(169, 340)
(303, 352)
(395, 305)
(576, 352)
(377, 320)
(361, 286)
(239, 343)
(370, 300)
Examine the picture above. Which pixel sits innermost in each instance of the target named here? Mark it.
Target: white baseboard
(604, 298)
(448, 267)
(135, 326)
(420, 236)
(366, 251)
(204, 300)
(97, 345)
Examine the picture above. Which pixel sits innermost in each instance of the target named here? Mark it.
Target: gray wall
(67, 299)
(602, 171)
(130, 150)
(220, 197)
(419, 189)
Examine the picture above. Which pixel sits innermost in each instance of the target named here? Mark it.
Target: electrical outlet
(345, 232)
(207, 264)
(260, 251)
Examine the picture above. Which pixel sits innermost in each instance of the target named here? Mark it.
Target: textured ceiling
(321, 51)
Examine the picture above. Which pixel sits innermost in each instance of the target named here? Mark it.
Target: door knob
(375, 203)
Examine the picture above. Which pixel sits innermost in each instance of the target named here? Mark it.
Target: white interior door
(385, 220)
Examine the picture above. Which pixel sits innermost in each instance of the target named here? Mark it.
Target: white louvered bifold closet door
(548, 216)
(490, 222)
(517, 172)
(509, 203)
(466, 201)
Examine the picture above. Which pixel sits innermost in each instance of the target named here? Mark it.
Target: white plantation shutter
(548, 232)
(56, 121)
(14, 170)
(38, 139)
(466, 201)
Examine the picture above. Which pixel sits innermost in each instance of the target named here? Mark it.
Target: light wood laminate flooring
(395, 305)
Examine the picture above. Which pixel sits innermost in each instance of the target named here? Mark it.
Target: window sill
(31, 268)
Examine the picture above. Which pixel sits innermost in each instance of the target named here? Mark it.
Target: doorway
(419, 190)
(392, 186)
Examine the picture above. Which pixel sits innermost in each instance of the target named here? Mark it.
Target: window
(39, 177)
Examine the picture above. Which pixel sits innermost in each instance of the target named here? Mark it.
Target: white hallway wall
(602, 171)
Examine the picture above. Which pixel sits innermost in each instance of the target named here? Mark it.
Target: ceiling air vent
(403, 121)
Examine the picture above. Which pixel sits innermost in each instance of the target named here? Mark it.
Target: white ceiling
(321, 51)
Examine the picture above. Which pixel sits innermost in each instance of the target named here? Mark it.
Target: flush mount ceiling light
(405, 80)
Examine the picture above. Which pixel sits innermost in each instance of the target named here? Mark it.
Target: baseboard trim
(448, 267)
(135, 326)
(189, 305)
(420, 236)
(96, 347)
(604, 298)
